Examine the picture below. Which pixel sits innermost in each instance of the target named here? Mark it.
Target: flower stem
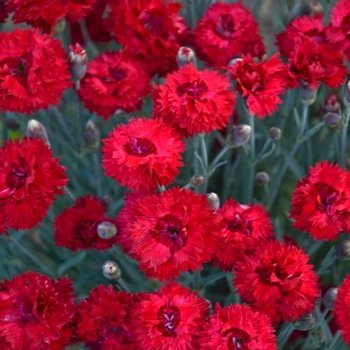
(284, 335)
(342, 159)
(249, 193)
(204, 150)
(122, 285)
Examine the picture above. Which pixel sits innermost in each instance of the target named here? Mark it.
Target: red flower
(237, 327)
(227, 31)
(338, 30)
(194, 101)
(260, 83)
(301, 27)
(315, 63)
(114, 81)
(277, 281)
(170, 319)
(45, 15)
(143, 154)
(342, 309)
(170, 232)
(104, 320)
(33, 71)
(36, 312)
(242, 228)
(321, 202)
(3, 14)
(76, 227)
(29, 180)
(152, 29)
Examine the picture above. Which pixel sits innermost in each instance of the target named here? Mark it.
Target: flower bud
(234, 61)
(91, 135)
(240, 135)
(111, 270)
(196, 180)
(185, 55)
(342, 251)
(59, 27)
(332, 119)
(35, 130)
(106, 230)
(308, 321)
(329, 298)
(78, 63)
(331, 104)
(213, 200)
(307, 94)
(12, 124)
(262, 178)
(275, 133)
(347, 94)
(312, 9)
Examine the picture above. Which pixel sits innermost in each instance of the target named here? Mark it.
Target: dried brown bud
(331, 104)
(240, 135)
(213, 200)
(184, 56)
(35, 130)
(307, 94)
(106, 230)
(111, 270)
(196, 180)
(91, 135)
(332, 119)
(262, 178)
(308, 321)
(12, 124)
(343, 250)
(78, 63)
(329, 298)
(275, 133)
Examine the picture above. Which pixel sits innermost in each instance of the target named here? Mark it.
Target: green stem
(123, 285)
(204, 150)
(334, 340)
(219, 156)
(342, 159)
(303, 119)
(284, 335)
(250, 195)
(98, 174)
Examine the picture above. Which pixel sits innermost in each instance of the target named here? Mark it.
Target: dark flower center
(169, 232)
(25, 307)
(86, 232)
(151, 23)
(240, 224)
(225, 26)
(140, 147)
(236, 339)
(117, 73)
(195, 89)
(254, 78)
(19, 174)
(19, 67)
(327, 198)
(345, 25)
(169, 318)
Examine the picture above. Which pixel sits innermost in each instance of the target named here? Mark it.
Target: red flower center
(169, 318)
(240, 224)
(195, 89)
(151, 23)
(86, 232)
(254, 78)
(19, 174)
(225, 26)
(19, 67)
(25, 307)
(117, 73)
(140, 147)
(169, 231)
(345, 25)
(327, 198)
(236, 338)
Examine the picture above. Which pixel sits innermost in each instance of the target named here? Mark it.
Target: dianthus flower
(170, 232)
(33, 71)
(237, 327)
(342, 309)
(143, 154)
(76, 227)
(301, 27)
(242, 228)
(3, 11)
(278, 281)
(113, 81)
(338, 30)
(45, 15)
(315, 63)
(260, 83)
(194, 101)
(36, 312)
(29, 180)
(227, 31)
(321, 202)
(170, 319)
(104, 320)
(152, 29)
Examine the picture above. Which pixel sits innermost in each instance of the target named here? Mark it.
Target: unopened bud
(347, 94)
(275, 133)
(329, 298)
(262, 178)
(106, 230)
(111, 270)
(35, 130)
(234, 61)
(213, 200)
(184, 56)
(91, 135)
(59, 27)
(315, 8)
(332, 119)
(331, 104)
(342, 251)
(196, 180)
(308, 321)
(307, 94)
(12, 124)
(240, 135)
(78, 63)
